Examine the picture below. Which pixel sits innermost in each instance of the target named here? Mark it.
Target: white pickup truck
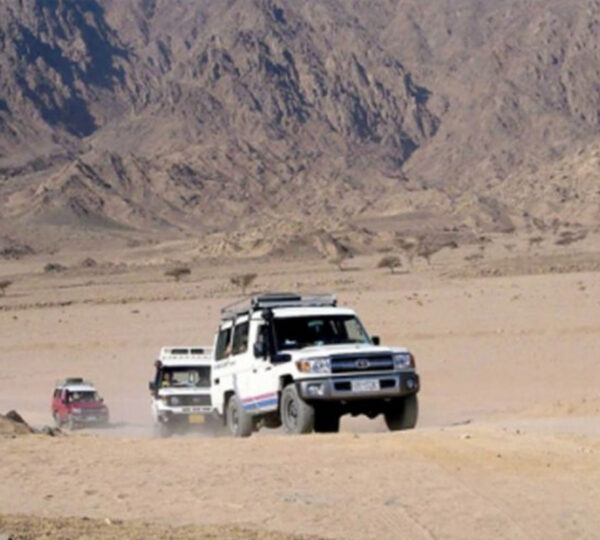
(180, 391)
(302, 362)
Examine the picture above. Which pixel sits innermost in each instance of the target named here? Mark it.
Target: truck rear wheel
(402, 413)
(239, 421)
(297, 416)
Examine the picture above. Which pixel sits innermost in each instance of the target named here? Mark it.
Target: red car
(76, 403)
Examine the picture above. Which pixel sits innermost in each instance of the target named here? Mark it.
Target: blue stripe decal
(261, 404)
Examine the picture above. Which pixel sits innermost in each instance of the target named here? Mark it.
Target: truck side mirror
(260, 349)
(376, 340)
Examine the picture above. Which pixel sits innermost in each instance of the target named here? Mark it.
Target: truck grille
(361, 363)
(189, 400)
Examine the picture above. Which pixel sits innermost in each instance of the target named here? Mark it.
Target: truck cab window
(223, 349)
(240, 338)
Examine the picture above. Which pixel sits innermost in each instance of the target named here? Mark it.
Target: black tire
(297, 416)
(239, 422)
(327, 421)
(402, 413)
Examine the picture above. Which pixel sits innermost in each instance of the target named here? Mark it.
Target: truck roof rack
(175, 353)
(277, 300)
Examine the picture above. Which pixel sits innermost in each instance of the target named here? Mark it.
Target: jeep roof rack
(73, 381)
(277, 300)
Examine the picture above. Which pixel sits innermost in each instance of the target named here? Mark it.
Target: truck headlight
(403, 360)
(174, 400)
(314, 365)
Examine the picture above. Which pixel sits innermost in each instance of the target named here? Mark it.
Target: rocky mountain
(281, 118)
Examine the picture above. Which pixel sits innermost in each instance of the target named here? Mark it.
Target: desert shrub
(569, 237)
(474, 257)
(243, 281)
(54, 268)
(391, 262)
(178, 272)
(4, 285)
(535, 241)
(339, 260)
(88, 263)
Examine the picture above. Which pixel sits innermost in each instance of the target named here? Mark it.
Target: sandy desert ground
(507, 446)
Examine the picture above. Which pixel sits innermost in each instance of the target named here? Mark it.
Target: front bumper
(342, 388)
(173, 415)
(89, 418)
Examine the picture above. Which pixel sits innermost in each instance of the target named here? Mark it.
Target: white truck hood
(354, 348)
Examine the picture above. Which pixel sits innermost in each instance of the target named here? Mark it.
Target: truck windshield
(185, 377)
(300, 332)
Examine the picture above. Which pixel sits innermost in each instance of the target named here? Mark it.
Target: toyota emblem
(362, 364)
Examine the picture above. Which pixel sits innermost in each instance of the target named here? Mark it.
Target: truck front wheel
(297, 416)
(402, 413)
(239, 421)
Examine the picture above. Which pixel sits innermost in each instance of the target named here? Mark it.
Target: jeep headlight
(314, 365)
(403, 360)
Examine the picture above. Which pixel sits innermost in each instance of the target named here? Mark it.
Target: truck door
(242, 361)
(222, 367)
(264, 381)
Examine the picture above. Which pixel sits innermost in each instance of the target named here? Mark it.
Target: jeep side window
(223, 343)
(240, 338)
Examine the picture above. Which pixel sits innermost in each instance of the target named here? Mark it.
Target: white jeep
(180, 391)
(302, 362)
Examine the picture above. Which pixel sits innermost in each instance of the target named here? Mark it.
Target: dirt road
(508, 444)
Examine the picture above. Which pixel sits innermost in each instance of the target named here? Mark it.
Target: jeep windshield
(83, 396)
(315, 331)
(185, 377)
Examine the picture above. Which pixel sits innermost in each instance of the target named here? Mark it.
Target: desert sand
(508, 439)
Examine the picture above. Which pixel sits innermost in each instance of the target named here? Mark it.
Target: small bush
(178, 272)
(4, 285)
(54, 267)
(243, 281)
(339, 260)
(390, 261)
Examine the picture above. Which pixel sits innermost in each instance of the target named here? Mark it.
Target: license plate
(365, 385)
(196, 419)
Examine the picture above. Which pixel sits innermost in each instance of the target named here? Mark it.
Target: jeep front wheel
(402, 413)
(239, 421)
(297, 416)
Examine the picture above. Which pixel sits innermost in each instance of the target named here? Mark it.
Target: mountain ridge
(154, 117)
